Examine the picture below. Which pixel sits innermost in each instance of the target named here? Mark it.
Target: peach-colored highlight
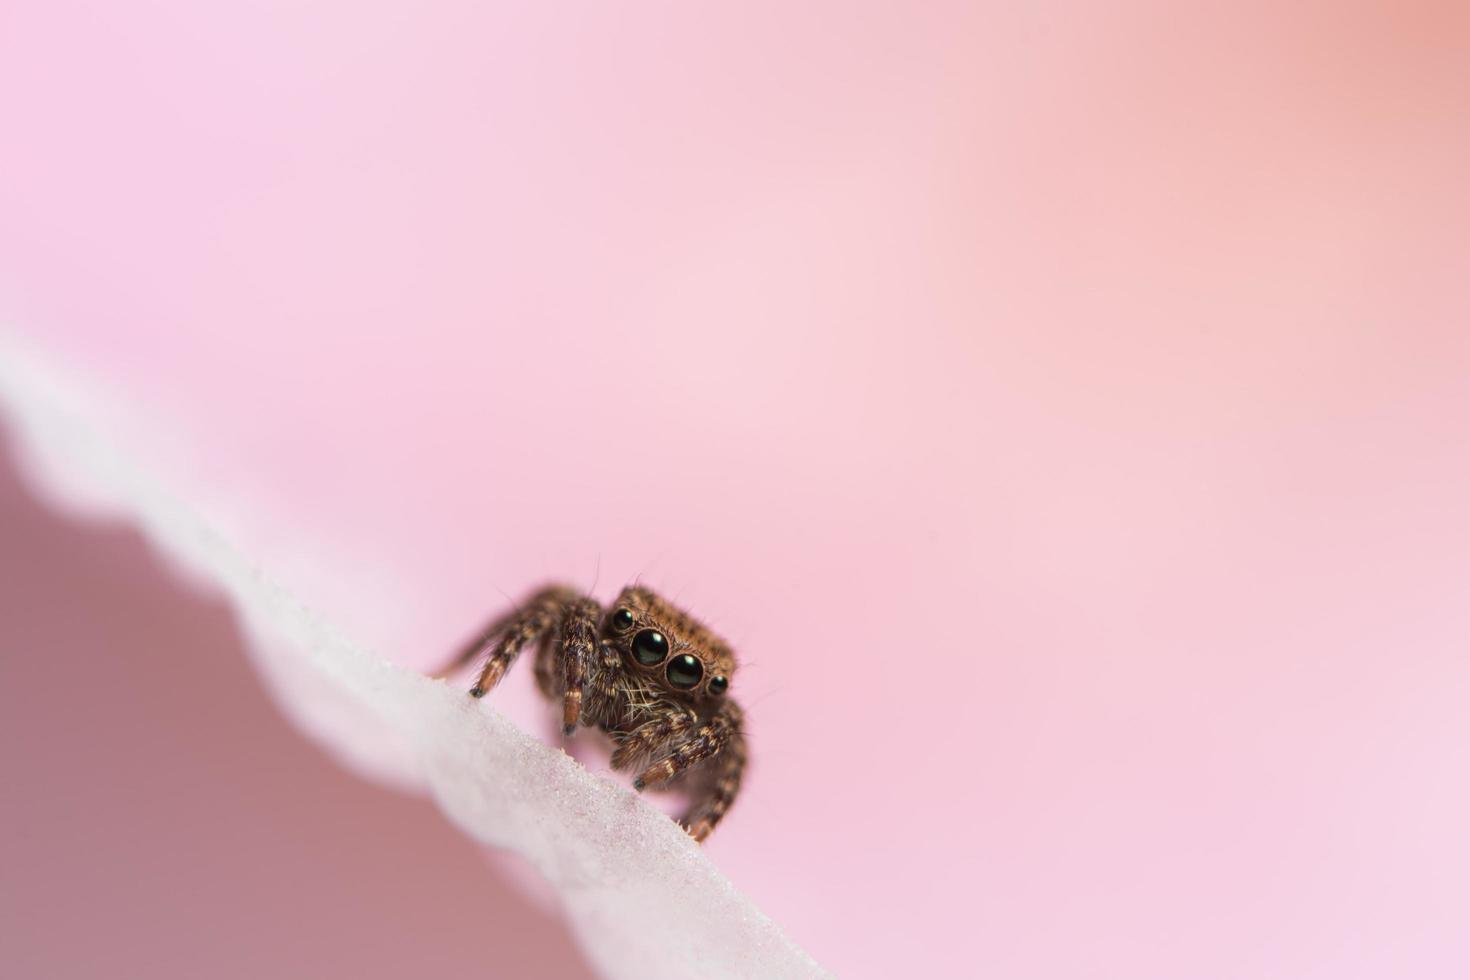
(1101, 368)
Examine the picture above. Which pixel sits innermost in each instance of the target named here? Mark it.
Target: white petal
(642, 896)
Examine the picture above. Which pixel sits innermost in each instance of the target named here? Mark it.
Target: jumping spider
(645, 672)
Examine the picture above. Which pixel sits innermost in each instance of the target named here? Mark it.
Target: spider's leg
(503, 639)
(706, 741)
(719, 792)
(667, 727)
(578, 647)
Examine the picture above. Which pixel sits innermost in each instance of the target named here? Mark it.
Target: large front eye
(685, 671)
(650, 647)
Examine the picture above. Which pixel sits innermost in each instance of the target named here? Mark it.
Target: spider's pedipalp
(578, 646)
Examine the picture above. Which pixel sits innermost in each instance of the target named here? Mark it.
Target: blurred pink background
(1066, 411)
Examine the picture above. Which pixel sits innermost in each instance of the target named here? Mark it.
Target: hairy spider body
(645, 672)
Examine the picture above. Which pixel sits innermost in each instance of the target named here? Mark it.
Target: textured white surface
(617, 864)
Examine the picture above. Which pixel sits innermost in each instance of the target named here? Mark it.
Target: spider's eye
(717, 685)
(623, 619)
(685, 671)
(650, 647)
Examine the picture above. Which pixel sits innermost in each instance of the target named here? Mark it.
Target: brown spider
(647, 673)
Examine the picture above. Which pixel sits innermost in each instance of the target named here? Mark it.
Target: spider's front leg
(507, 636)
(669, 726)
(719, 739)
(715, 797)
(705, 741)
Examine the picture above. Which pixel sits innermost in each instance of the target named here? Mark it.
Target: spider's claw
(654, 774)
(567, 730)
(477, 691)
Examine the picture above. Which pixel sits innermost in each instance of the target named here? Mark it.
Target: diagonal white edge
(616, 863)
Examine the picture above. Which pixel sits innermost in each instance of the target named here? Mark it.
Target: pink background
(1065, 411)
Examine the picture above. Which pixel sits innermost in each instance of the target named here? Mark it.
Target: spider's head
(670, 647)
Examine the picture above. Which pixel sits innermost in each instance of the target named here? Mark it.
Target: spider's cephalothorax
(647, 673)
